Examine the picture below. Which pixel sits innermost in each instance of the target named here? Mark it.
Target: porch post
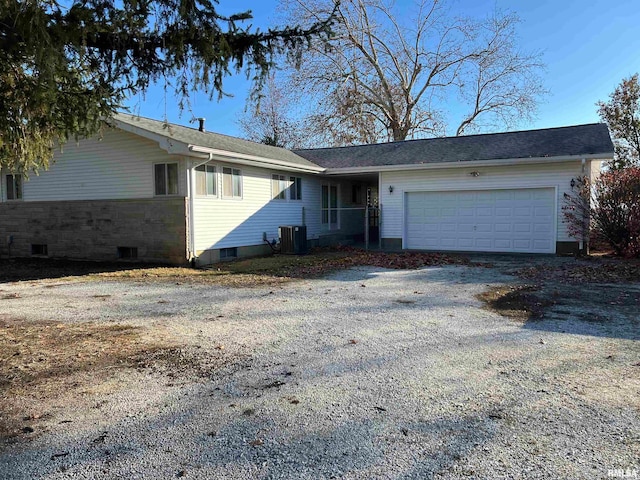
(366, 227)
(379, 226)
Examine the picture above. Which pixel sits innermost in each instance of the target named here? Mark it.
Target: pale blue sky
(588, 47)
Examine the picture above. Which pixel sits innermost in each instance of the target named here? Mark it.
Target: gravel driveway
(367, 373)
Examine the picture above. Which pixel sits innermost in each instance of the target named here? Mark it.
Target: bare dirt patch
(587, 270)
(43, 360)
(520, 302)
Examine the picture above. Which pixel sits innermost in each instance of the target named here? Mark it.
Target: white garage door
(482, 220)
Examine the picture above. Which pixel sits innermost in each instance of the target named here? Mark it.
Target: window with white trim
(231, 182)
(278, 187)
(295, 190)
(330, 213)
(206, 180)
(166, 178)
(14, 187)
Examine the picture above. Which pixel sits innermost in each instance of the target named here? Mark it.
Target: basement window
(128, 252)
(39, 249)
(228, 253)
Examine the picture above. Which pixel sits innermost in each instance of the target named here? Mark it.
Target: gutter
(254, 160)
(466, 164)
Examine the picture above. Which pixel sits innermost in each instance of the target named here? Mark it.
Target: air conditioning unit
(293, 239)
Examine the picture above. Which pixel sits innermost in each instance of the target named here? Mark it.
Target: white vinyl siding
(552, 175)
(224, 222)
(117, 166)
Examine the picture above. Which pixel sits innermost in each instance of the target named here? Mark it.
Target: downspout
(581, 243)
(191, 189)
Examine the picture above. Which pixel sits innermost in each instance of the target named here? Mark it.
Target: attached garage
(501, 220)
(500, 192)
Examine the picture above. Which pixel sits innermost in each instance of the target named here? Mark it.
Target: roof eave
(253, 160)
(466, 164)
(168, 144)
(177, 147)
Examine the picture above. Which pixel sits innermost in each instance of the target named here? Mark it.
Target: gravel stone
(409, 377)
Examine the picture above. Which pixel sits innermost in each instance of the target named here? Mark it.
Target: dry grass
(519, 302)
(593, 269)
(42, 360)
(270, 270)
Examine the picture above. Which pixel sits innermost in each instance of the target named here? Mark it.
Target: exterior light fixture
(573, 183)
(390, 188)
(474, 174)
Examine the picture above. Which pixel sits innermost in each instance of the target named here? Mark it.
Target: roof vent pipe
(201, 124)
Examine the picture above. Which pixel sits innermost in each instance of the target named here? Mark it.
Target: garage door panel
(490, 220)
(543, 211)
(502, 195)
(522, 228)
(467, 196)
(522, 211)
(522, 195)
(542, 244)
(542, 228)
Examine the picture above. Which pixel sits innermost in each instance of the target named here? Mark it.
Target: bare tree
(269, 118)
(622, 114)
(501, 85)
(389, 75)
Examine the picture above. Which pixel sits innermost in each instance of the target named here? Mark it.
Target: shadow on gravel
(256, 446)
(597, 310)
(20, 269)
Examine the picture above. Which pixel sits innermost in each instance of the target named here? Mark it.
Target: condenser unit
(293, 239)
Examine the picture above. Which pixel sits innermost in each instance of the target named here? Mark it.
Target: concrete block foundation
(155, 229)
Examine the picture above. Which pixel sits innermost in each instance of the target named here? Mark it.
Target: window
(278, 187)
(127, 252)
(356, 195)
(295, 191)
(330, 206)
(228, 253)
(14, 187)
(39, 249)
(231, 182)
(166, 178)
(206, 180)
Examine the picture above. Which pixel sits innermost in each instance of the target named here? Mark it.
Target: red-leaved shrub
(608, 208)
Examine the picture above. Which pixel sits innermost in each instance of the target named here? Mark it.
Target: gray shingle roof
(589, 139)
(193, 136)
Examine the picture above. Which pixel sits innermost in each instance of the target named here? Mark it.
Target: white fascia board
(466, 164)
(170, 145)
(253, 160)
